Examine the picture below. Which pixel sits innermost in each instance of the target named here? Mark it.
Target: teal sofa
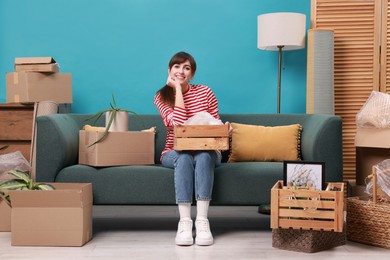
(239, 183)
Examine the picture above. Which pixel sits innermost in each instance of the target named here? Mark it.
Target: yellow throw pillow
(265, 143)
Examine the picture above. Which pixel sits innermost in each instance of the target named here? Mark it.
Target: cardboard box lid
(70, 195)
(373, 137)
(34, 60)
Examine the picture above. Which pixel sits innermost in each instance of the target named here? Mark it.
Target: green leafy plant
(23, 181)
(4, 147)
(114, 109)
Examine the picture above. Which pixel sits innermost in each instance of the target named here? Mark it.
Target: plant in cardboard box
(22, 181)
(116, 120)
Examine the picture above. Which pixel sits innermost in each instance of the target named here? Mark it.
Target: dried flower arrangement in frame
(304, 175)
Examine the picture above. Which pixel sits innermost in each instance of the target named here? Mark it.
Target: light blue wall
(123, 47)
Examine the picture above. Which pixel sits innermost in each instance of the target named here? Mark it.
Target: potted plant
(116, 119)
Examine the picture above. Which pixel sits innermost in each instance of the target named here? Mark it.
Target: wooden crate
(201, 137)
(307, 209)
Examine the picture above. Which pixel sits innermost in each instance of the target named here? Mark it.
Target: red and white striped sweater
(199, 98)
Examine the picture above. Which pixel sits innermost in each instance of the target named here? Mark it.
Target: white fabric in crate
(203, 118)
(375, 113)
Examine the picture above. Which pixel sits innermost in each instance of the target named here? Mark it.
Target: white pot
(120, 122)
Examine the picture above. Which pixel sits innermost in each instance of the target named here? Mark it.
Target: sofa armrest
(57, 145)
(322, 141)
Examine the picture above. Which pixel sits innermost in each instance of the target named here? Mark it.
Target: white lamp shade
(281, 29)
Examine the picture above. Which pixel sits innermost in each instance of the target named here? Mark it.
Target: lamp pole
(280, 32)
(280, 47)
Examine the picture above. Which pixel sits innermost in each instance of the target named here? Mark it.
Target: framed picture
(303, 173)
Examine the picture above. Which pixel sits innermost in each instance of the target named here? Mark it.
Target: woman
(177, 101)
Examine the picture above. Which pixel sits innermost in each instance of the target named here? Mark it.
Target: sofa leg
(265, 209)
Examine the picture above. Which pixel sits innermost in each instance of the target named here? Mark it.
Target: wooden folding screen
(357, 30)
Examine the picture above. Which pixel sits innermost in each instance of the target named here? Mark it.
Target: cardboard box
(37, 64)
(118, 148)
(37, 86)
(201, 137)
(5, 216)
(373, 137)
(61, 217)
(372, 147)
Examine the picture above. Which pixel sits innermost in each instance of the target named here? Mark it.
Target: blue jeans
(193, 169)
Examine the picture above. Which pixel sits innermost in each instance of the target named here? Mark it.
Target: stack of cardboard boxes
(38, 79)
(60, 217)
(372, 139)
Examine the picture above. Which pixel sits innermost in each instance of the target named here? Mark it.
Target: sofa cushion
(124, 185)
(265, 143)
(245, 183)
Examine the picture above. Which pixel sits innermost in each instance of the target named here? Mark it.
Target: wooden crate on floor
(305, 220)
(308, 209)
(201, 137)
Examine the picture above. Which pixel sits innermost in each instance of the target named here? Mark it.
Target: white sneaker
(203, 233)
(184, 233)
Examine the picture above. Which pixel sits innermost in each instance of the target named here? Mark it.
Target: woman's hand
(172, 83)
(179, 102)
(230, 128)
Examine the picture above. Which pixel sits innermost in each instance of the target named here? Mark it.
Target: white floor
(147, 232)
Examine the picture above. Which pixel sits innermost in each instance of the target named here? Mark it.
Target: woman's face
(181, 72)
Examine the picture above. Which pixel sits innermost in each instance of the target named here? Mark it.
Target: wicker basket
(368, 222)
(307, 241)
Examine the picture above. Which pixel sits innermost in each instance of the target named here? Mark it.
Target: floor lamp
(281, 32)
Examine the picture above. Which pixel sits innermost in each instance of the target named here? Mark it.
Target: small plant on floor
(23, 181)
(113, 110)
